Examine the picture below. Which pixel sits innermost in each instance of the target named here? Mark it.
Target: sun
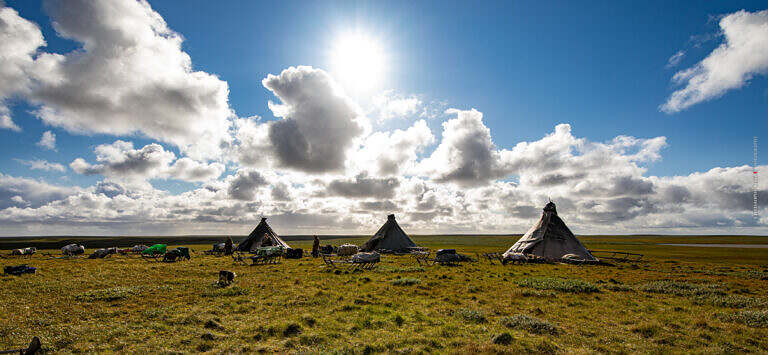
(358, 61)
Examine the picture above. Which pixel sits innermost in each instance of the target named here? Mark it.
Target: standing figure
(315, 247)
(228, 246)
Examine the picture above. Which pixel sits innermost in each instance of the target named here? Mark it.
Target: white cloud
(466, 155)
(47, 141)
(130, 76)
(675, 59)
(6, 122)
(319, 122)
(40, 164)
(31, 193)
(191, 170)
(389, 105)
(253, 147)
(19, 41)
(742, 55)
(364, 186)
(395, 152)
(243, 185)
(120, 161)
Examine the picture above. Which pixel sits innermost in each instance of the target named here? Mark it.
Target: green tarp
(155, 249)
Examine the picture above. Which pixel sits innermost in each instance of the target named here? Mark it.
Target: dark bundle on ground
(177, 254)
(100, 253)
(19, 269)
(294, 253)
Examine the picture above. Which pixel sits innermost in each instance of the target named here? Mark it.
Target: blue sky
(601, 67)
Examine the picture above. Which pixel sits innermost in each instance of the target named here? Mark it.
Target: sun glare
(358, 61)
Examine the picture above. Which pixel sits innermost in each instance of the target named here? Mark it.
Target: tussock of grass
(393, 269)
(532, 293)
(562, 285)
(503, 339)
(227, 292)
(755, 274)
(729, 301)
(470, 315)
(648, 330)
(408, 281)
(681, 288)
(108, 294)
(530, 324)
(619, 288)
(291, 329)
(310, 340)
(755, 319)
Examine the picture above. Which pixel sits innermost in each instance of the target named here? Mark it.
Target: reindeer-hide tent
(550, 239)
(389, 237)
(262, 236)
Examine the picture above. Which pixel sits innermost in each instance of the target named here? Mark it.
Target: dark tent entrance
(262, 236)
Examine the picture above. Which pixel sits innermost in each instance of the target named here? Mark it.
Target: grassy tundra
(680, 299)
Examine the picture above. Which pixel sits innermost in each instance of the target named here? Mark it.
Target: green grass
(682, 288)
(406, 281)
(677, 299)
(108, 294)
(750, 318)
(562, 285)
(529, 324)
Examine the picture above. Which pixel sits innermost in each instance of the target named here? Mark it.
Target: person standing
(315, 246)
(228, 246)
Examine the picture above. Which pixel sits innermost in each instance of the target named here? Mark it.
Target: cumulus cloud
(121, 161)
(47, 141)
(130, 76)
(191, 170)
(389, 105)
(19, 43)
(393, 152)
(28, 193)
(466, 155)
(364, 186)
(244, 184)
(39, 164)
(742, 55)
(6, 122)
(253, 143)
(319, 122)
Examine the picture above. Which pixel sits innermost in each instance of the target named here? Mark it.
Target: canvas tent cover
(389, 237)
(550, 239)
(262, 236)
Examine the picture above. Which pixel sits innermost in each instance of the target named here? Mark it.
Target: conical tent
(550, 238)
(389, 237)
(262, 236)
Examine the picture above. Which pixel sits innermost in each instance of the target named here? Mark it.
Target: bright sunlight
(358, 61)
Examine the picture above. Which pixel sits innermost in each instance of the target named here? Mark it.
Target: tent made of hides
(262, 236)
(389, 237)
(550, 239)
